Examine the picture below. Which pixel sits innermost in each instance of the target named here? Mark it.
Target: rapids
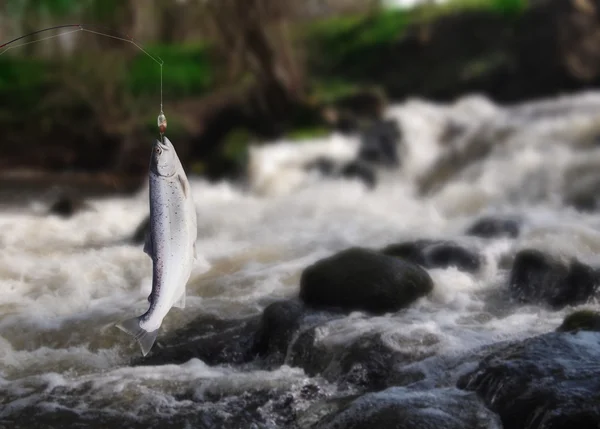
(65, 282)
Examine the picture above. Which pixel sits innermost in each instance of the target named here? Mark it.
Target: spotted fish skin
(171, 242)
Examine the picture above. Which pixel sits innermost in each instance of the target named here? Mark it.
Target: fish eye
(158, 150)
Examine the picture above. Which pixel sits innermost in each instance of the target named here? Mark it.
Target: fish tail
(144, 338)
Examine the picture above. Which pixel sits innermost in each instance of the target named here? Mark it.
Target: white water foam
(65, 282)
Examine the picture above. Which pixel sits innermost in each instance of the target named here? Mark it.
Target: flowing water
(65, 282)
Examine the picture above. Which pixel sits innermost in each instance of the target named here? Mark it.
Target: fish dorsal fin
(184, 185)
(148, 248)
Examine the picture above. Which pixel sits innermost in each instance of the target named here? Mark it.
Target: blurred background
(240, 73)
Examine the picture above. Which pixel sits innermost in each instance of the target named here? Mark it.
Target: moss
(235, 145)
(586, 320)
(307, 133)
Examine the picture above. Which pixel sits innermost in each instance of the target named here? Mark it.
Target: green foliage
(186, 71)
(52, 7)
(235, 145)
(22, 80)
(308, 133)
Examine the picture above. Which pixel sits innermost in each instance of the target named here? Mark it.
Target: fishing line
(162, 120)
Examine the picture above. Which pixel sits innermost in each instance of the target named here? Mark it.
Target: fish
(170, 242)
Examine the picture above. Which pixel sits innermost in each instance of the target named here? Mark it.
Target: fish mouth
(161, 145)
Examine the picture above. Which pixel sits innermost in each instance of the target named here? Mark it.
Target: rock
(325, 166)
(581, 193)
(254, 408)
(436, 254)
(495, 227)
(139, 236)
(379, 143)
(539, 278)
(584, 320)
(328, 167)
(67, 205)
(360, 170)
(212, 340)
(401, 408)
(366, 362)
(548, 381)
(278, 323)
(361, 279)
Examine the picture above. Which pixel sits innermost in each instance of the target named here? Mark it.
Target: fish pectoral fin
(195, 253)
(180, 302)
(148, 247)
(184, 185)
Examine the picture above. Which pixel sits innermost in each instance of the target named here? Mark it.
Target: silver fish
(170, 243)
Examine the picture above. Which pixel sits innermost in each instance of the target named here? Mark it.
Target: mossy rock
(582, 320)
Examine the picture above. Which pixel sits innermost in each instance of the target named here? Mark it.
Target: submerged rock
(549, 381)
(356, 169)
(360, 170)
(401, 408)
(362, 279)
(539, 278)
(495, 227)
(67, 205)
(436, 254)
(212, 340)
(366, 362)
(582, 320)
(279, 324)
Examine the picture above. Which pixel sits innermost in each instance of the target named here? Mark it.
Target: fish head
(164, 158)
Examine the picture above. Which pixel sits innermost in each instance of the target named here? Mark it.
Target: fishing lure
(161, 120)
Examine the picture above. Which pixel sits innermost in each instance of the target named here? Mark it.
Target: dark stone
(328, 167)
(539, 278)
(495, 227)
(139, 236)
(67, 205)
(436, 254)
(360, 170)
(548, 381)
(362, 279)
(212, 340)
(279, 321)
(231, 410)
(323, 165)
(365, 362)
(379, 143)
(582, 320)
(400, 408)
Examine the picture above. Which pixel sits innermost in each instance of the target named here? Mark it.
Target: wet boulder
(279, 324)
(379, 143)
(67, 205)
(538, 278)
(436, 254)
(360, 170)
(548, 381)
(362, 279)
(401, 408)
(212, 340)
(356, 169)
(366, 362)
(582, 320)
(495, 227)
